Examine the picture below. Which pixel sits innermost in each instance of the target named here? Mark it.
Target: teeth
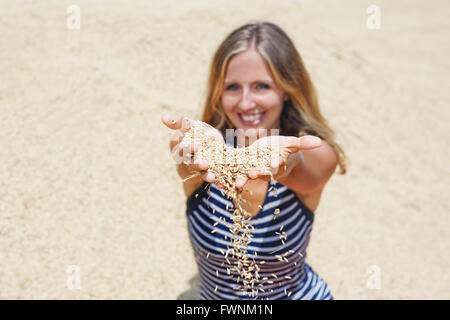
(252, 118)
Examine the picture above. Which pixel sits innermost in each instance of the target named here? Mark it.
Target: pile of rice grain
(229, 163)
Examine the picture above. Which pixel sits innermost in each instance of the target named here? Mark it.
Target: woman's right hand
(183, 154)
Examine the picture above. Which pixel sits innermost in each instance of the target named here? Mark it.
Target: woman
(258, 81)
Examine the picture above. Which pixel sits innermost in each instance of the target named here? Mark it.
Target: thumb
(175, 122)
(294, 144)
(309, 142)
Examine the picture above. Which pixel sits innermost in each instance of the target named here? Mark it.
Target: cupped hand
(183, 153)
(287, 146)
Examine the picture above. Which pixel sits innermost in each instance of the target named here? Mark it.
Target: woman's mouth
(252, 119)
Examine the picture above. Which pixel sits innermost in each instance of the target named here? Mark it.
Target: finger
(209, 176)
(202, 164)
(290, 145)
(309, 142)
(176, 122)
(184, 152)
(240, 182)
(253, 174)
(172, 121)
(188, 148)
(176, 138)
(218, 185)
(276, 162)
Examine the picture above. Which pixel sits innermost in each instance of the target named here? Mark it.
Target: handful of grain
(229, 163)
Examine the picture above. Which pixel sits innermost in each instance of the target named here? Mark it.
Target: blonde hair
(300, 114)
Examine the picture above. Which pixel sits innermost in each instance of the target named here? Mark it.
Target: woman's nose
(246, 102)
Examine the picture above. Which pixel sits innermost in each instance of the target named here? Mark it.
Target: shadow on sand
(193, 293)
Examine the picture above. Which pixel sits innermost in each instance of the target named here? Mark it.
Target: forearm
(310, 169)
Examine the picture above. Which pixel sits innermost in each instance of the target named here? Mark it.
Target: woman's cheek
(228, 103)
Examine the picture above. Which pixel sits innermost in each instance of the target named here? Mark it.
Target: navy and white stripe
(294, 276)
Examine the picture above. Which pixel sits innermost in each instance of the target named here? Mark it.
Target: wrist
(294, 160)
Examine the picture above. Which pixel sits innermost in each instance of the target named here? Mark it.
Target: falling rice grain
(226, 174)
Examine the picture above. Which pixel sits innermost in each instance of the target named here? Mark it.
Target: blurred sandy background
(86, 177)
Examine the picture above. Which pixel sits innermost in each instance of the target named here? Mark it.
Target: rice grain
(228, 164)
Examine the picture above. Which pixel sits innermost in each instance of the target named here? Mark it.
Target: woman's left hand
(288, 147)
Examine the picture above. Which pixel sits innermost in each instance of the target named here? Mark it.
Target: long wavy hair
(300, 114)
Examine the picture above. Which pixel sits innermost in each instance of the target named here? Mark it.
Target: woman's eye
(232, 87)
(263, 86)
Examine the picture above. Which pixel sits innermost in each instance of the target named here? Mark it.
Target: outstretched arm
(311, 169)
(307, 164)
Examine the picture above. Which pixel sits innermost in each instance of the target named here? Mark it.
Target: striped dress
(287, 274)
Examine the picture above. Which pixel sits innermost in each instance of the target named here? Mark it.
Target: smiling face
(250, 98)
